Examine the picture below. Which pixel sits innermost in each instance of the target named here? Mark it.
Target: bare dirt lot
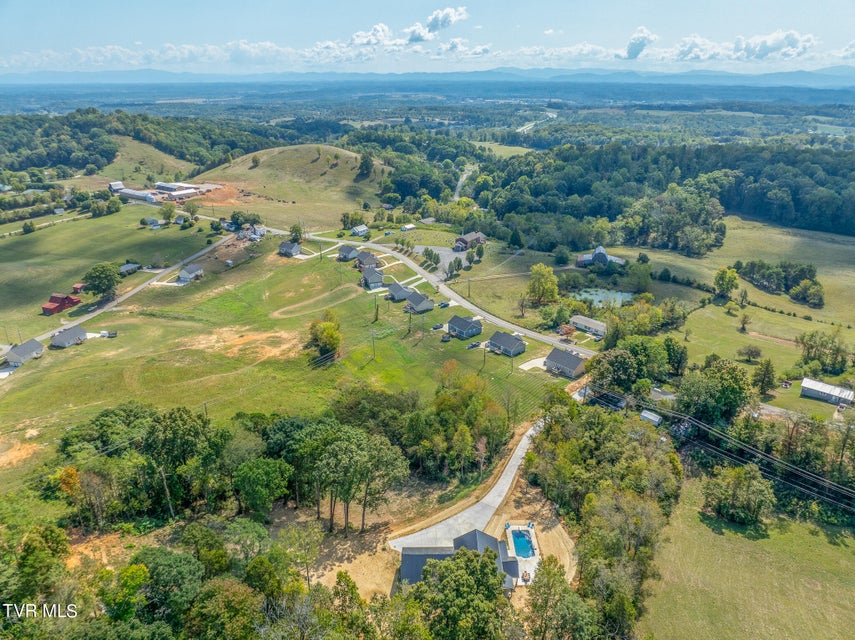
(15, 452)
(240, 341)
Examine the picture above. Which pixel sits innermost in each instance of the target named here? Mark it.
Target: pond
(602, 296)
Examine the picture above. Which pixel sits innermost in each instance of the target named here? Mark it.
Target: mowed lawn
(797, 581)
(51, 260)
(235, 342)
(295, 184)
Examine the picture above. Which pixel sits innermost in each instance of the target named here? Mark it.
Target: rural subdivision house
(564, 363)
(190, 272)
(359, 230)
(68, 337)
(469, 241)
(418, 303)
(59, 302)
(398, 292)
(181, 218)
(289, 249)
(464, 327)
(506, 343)
(372, 279)
(365, 260)
(598, 257)
(347, 252)
(414, 559)
(589, 325)
(128, 269)
(827, 392)
(20, 353)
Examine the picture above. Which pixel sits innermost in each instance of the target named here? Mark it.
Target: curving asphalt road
(478, 515)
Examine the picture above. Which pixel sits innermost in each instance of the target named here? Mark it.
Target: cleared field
(34, 266)
(234, 341)
(719, 581)
(295, 184)
(503, 150)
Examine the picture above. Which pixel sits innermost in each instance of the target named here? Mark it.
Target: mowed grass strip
(717, 581)
(51, 260)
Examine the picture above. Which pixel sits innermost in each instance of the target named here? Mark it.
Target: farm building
(182, 194)
(133, 194)
(589, 325)
(464, 327)
(408, 227)
(59, 302)
(598, 257)
(506, 343)
(653, 418)
(115, 187)
(78, 287)
(828, 392)
(68, 337)
(565, 363)
(371, 278)
(190, 272)
(418, 303)
(59, 212)
(414, 559)
(359, 230)
(128, 269)
(289, 249)
(469, 241)
(347, 252)
(28, 350)
(174, 187)
(398, 292)
(365, 259)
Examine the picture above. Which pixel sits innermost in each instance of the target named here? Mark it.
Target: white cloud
(780, 44)
(548, 32)
(848, 52)
(638, 42)
(696, 48)
(459, 48)
(438, 20)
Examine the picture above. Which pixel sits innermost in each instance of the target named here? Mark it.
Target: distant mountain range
(829, 78)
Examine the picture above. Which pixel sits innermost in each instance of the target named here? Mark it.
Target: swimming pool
(523, 547)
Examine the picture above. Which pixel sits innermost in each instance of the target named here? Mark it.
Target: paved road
(177, 266)
(478, 515)
(451, 294)
(466, 174)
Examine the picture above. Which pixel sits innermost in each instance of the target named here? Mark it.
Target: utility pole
(373, 349)
(469, 288)
(20, 338)
(166, 489)
(6, 329)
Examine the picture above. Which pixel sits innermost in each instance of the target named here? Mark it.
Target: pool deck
(525, 564)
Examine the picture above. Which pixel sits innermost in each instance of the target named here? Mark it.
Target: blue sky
(366, 35)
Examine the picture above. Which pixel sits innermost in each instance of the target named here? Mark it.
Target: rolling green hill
(302, 183)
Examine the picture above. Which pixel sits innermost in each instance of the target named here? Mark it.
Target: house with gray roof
(398, 292)
(21, 353)
(469, 240)
(128, 268)
(68, 337)
(190, 272)
(464, 327)
(347, 252)
(372, 279)
(589, 325)
(419, 303)
(828, 392)
(506, 343)
(359, 230)
(600, 257)
(289, 249)
(365, 259)
(564, 363)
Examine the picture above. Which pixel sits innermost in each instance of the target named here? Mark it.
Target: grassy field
(133, 164)
(234, 341)
(294, 184)
(503, 150)
(718, 581)
(34, 266)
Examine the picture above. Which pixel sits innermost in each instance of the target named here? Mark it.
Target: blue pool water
(522, 543)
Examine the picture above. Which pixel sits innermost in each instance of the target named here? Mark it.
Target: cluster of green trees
(617, 481)
(825, 348)
(637, 362)
(797, 279)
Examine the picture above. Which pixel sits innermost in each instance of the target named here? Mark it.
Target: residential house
(464, 327)
(414, 559)
(827, 392)
(128, 269)
(418, 303)
(190, 272)
(599, 257)
(371, 278)
(347, 252)
(28, 350)
(181, 218)
(506, 343)
(68, 337)
(589, 325)
(289, 249)
(151, 222)
(59, 302)
(366, 259)
(469, 241)
(564, 363)
(398, 292)
(359, 230)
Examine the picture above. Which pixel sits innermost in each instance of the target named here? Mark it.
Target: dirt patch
(241, 342)
(31, 433)
(16, 453)
(227, 196)
(574, 386)
(789, 343)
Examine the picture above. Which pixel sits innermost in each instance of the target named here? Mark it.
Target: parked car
(437, 326)
(446, 337)
(473, 345)
(443, 305)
